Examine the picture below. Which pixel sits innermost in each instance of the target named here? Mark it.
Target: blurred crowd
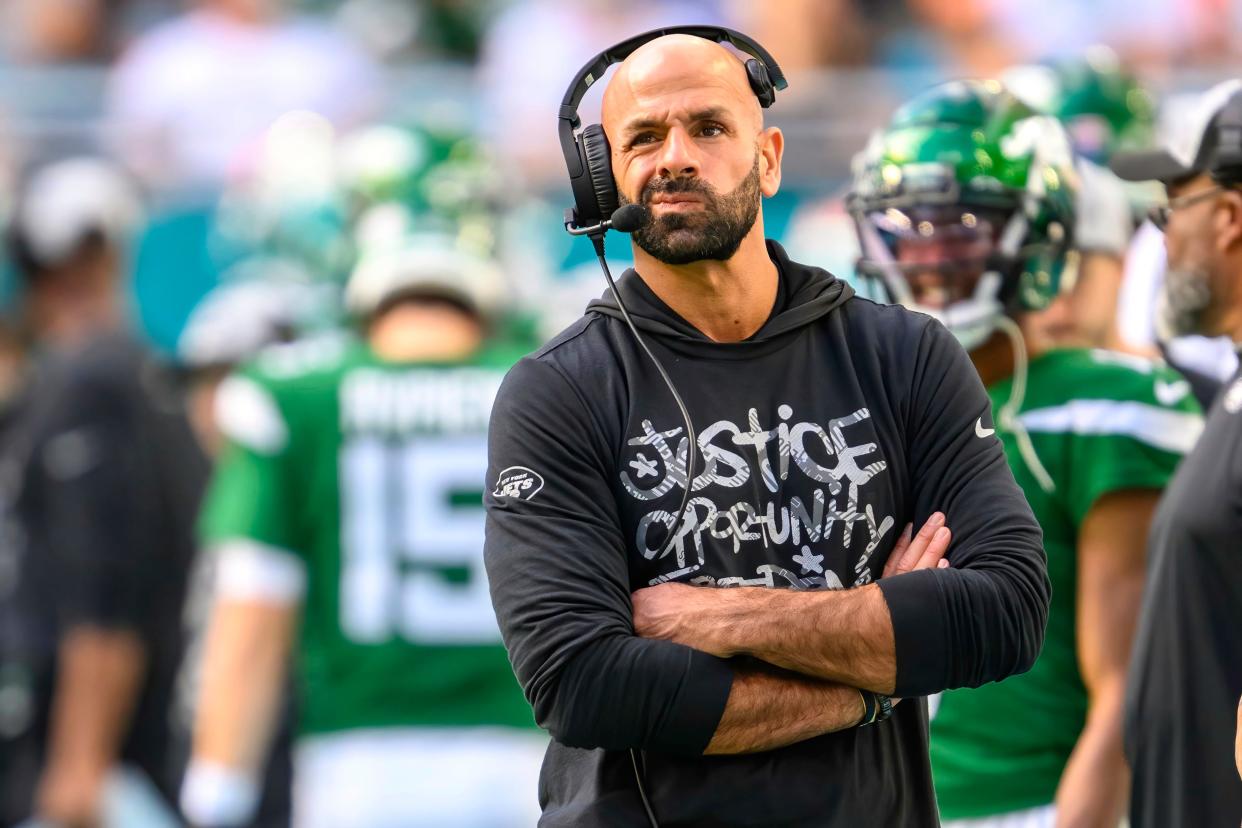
(183, 185)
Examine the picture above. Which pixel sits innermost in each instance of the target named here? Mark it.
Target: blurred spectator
(109, 483)
(949, 37)
(60, 31)
(1065, 28)
(807, 34)
(192, 96)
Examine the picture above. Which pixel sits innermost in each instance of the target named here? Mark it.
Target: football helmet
(964, 206)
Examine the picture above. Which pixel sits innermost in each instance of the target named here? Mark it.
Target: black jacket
(1186, 670)
(822, 435)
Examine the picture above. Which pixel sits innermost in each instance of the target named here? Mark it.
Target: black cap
(1195, 144)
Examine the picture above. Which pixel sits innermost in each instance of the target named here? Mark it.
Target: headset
(596, 210)
(588, 157)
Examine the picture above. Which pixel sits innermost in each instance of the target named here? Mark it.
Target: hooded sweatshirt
(819, 439)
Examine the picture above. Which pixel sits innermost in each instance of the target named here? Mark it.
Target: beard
(715, 233)
(1184, 298)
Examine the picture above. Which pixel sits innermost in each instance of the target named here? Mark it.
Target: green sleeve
(1137, 446)
(1105, 463)
(251, 491)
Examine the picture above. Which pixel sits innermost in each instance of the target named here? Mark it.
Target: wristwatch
(876, 708)
(883, 708)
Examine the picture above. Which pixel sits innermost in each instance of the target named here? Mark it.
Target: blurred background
(241, 157)
(245, 122)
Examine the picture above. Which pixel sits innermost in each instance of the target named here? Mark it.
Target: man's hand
(923, 552)
(704, 618)
(70, 796)
(680, 613)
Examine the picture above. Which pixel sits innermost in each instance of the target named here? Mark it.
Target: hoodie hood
(804, 295)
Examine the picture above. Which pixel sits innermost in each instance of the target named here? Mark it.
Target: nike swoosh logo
(980, 431)
(1169, 393)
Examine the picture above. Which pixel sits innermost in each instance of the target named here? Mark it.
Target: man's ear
(771, 151)
(1227, 221)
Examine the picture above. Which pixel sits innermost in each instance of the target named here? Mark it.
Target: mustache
(677, 185)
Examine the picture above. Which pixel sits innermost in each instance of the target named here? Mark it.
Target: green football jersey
(371, 474)
(1099, 422)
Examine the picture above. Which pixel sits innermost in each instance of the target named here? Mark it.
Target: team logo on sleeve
(1170, 393)
(518, 482)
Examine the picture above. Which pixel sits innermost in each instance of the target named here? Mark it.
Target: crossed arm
(802, 632)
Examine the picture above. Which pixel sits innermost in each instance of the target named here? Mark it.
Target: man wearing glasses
(1186, 671)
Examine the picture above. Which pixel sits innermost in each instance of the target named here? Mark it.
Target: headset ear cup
(760, 83)
(599, 167)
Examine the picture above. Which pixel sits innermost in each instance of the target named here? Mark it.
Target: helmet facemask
(953, 262)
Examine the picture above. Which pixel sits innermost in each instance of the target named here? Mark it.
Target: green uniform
(371, 474)
(1098, 422)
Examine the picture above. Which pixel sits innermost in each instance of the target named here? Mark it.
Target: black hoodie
(821, 436)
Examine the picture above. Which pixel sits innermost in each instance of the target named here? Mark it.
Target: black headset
(587, 154)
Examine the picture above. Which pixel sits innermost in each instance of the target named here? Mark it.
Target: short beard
(1184, 298)
(715, 234)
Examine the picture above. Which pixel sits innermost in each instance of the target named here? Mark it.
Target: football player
(346, 514)
(965, 205)
(1104, 108)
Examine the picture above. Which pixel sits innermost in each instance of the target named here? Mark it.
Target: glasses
(1161, 213)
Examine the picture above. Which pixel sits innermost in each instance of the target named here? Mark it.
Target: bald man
(827, 426)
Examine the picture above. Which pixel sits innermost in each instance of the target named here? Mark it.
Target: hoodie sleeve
(557, 564)
(984, 618)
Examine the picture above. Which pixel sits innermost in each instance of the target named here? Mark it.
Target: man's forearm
(769, 709)
(100, 671)
(844, 636)
(244, 667)
(99, 675)
(248, 645)
(1095, 784)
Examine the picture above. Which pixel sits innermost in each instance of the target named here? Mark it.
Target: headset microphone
(627, 219)
(630, 218)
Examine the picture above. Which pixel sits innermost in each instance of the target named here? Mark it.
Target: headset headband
(596, 66)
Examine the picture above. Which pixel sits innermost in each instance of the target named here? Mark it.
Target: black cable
(642, 790)
(692, 450)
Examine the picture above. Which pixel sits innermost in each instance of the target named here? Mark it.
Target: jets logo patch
(518, 482)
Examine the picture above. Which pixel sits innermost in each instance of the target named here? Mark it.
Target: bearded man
(1186, 673)
(825, 424)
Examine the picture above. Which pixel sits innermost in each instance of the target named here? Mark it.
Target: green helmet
(1102, 105)
(438, 172)
(964, 206)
